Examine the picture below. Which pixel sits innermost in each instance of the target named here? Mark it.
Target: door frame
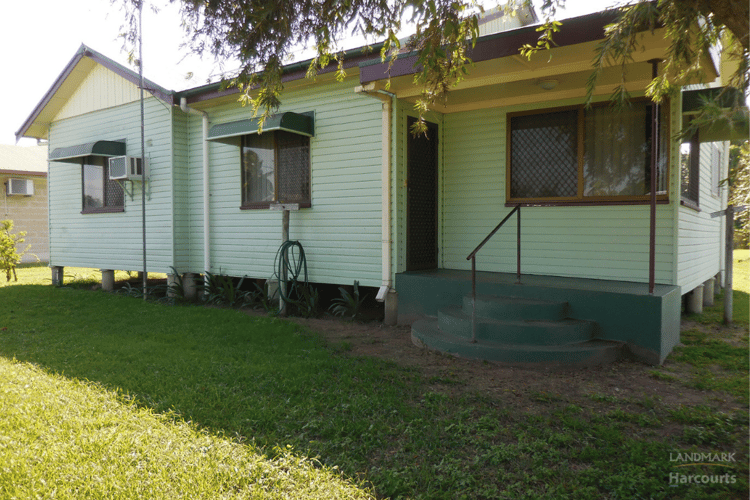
(432, 128)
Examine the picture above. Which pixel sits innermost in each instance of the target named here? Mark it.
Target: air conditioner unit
(20, 187)
(126, 168)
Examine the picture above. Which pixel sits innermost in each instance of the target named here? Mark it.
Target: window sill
(267, 205)
(103, 210)
(691, 205)
(582, 203)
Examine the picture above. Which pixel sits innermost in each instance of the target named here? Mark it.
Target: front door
(422, 199)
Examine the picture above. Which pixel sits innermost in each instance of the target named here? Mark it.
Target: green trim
(73, 154)
(302, 124)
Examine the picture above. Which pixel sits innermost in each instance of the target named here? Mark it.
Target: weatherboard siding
(100, 89)
(341, 233)
(114, 240)
(598, 242)
(181, 184)
(700, 235)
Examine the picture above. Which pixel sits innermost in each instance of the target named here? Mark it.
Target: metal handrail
(473, 257)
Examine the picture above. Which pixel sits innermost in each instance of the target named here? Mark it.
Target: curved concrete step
(510, 308)
(455, 321)
(425, 333)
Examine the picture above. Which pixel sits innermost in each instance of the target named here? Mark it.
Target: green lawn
(107, 396)
(741, 284)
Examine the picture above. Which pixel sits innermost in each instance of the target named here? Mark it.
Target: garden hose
(290, 257)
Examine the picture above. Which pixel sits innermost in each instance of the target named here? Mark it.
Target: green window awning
(302, 124)
(73, 154)
(733, 128)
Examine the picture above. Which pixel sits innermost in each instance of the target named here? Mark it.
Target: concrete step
(457, 322)
(426, 333)
(516, 308)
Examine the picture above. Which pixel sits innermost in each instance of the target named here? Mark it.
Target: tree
(739, 191)
(262, 35)
(9, 241)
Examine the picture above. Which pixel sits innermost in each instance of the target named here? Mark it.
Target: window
(275, 168)
(716, 154)
(585, 155)
(100, 194)
(690, 171)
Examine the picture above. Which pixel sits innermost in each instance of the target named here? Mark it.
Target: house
(23, 174)
(602, 264)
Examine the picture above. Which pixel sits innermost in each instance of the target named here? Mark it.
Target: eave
(23, 172)
(292, 74)
(500, 76)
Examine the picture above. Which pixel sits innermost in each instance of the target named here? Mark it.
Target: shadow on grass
(248, 378)
(263, 380)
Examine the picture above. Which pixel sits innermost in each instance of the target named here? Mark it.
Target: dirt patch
(449, 374)
(736, 335)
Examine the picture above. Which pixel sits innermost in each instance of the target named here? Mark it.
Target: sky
(39, 37)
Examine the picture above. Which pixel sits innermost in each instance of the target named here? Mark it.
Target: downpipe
(387, 98)
(206, 194)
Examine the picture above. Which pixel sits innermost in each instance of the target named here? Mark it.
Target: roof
(586, 28)
(575, 30)
(23, 160)
(371, 68)
(353, 58)
(67, 82)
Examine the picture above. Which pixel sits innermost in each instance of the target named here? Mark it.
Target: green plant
(348, 305)
(9, 255)
(176, 289)
(129, 290)
(220, 289)
(307, 304)
(81, 279)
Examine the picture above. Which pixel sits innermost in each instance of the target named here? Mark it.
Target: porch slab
(648, 325)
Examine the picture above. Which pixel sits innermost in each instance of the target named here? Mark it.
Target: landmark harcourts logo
(689, 464)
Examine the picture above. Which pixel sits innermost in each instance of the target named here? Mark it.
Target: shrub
(9, 256)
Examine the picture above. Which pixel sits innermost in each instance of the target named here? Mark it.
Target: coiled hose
(290, 257)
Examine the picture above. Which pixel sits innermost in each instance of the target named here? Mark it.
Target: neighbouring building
(23, 174)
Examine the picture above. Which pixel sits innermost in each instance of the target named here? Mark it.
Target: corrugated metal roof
(19, 159)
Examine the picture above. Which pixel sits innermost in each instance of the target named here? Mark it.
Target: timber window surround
(579, 155)
(716, 155)
(690, 167)
(100, 193)
(275, 168)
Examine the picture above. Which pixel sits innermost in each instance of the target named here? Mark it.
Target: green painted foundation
(544, 319)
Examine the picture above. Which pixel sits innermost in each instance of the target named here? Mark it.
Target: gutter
(388, 100)
(206, 193)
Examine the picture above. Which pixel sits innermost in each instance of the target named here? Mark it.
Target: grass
(107, 396)
(741, 276)
(72, 439)
(719, 356)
